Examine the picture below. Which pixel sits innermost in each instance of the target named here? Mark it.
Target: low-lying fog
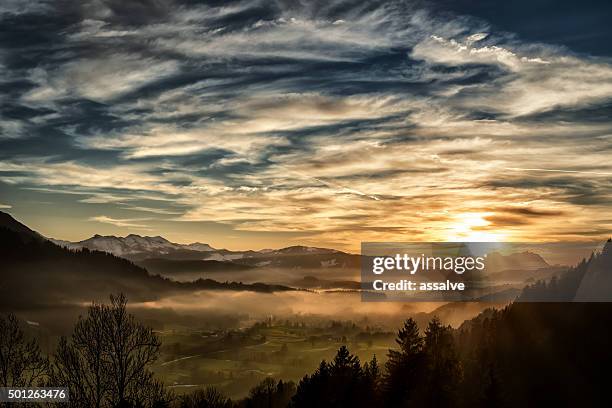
(340, 305)
(281, 276)
(214, 308)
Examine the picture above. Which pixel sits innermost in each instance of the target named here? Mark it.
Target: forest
(549, 347)
(526, 354)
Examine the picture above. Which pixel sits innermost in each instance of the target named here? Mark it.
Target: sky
(253, 124)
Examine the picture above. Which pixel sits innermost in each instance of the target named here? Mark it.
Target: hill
(525, 260)
(589, 281)
(547, 349)
(144, 249)
(9, 223)
(169, 267)
(36, 272)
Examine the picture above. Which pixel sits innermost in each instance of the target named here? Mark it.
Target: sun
(470, 227)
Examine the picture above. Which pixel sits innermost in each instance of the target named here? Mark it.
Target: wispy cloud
(334, 122)
(590, 173)
(124, 223)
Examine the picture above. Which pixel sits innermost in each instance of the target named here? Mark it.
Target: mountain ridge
(134, 245)
(54, 275)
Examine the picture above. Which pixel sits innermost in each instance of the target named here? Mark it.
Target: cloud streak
(329, 122)
(123, 223)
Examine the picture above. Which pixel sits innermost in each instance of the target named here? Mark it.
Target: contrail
(335, 185)
(347, 189)
(593, 173)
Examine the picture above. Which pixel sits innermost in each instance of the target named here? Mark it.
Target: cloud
(531, 212)
(17, 7)
(589, 173)
(124, 223)
(440, 50)
(537, 80)
(5, 206)
(333, 122)
(99, 78)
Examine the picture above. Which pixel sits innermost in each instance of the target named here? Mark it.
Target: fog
(281, 276)
(245, 308)
(221, 309)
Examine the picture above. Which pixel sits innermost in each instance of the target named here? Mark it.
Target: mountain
(299, 257)
(589, 281)
(547, 349)
(526, 260)
(143, 249)
(173, 267)
(312, 282)
(296, 250)
(522, 276)
(596, 284)
(198, 246)
(136, 246)
(37, 272)
(11, 224)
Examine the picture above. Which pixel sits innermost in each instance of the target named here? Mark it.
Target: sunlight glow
(470, 227)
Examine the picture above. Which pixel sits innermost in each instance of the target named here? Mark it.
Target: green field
(236, 360)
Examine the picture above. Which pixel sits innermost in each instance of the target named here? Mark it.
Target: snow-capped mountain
(136, 246)
(198, 246)
(296, 250)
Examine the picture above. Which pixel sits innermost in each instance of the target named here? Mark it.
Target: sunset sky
(255, 124)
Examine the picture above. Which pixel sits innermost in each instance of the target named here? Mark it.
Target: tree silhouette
(269, 394)
(21, 364)
(372, 378)
(403, 366)
(345, 364)
(106, 362)
(207, 398)
(341, 383)
(372, 371)
(442, 372)
(312, 390)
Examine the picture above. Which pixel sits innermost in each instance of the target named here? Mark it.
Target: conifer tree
(403, 365)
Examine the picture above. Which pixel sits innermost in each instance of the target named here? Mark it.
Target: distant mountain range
(525, 260)
(589, 281)
(37, 272)
(146, 257)
(141, 247)
(162, 256)
(519, 268)
(136, 246)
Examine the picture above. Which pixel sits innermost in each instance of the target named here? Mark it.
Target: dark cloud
(528, 211)
(503, 221)
(572, 189)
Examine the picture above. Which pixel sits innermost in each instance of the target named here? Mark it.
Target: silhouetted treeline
(590, 281)
(528, 354)
(544, 354)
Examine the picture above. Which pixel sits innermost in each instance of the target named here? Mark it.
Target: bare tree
(81, 364)
(21, 364)
(107, 362)
(206, 398)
